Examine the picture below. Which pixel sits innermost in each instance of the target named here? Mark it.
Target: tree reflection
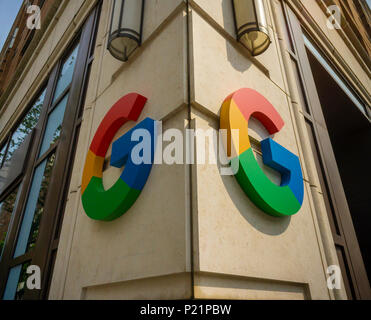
(34, 233)
(28, 123)
(22, 282)
(6, 211)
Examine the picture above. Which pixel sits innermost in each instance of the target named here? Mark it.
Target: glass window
(15, 285)
(54, 126)
(38, 217)
(35, 207)
(24, 129)
(65, 76)
(333, 74)
(2, 154)
(6, 212)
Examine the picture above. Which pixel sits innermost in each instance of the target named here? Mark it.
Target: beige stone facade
(192, 233)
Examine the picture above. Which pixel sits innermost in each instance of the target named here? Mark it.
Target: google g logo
(283, 200)
(237, 109)
(107, 205)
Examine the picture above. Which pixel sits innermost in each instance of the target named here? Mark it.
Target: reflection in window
(16, 283)
(35, 207)
(40, 204)
(24, 129)
(2, 154)
(54, 126)
(6, 211)
(65, 76)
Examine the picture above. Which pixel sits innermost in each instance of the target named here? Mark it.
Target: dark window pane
(50, 272)
(16, 283)
(35, 207)
(343, 262)
(6, 211)
(348, 90)
(28, 123)
(65, 76)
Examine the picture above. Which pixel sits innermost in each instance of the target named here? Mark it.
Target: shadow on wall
(238, 56)
(261, 221)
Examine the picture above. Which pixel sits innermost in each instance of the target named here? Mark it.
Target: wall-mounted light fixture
(251, 25)
(126, 28)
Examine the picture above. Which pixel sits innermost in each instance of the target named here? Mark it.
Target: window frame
(48, 237)
(345, 238)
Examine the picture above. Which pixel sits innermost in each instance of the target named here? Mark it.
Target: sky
(8, 13)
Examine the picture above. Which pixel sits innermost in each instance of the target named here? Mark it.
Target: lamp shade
(251, 25)
(126, 28)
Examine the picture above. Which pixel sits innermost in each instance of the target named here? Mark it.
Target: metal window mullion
(60, 98)
(52, 149)
(21, 259)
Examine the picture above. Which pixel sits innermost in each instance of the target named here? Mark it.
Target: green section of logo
(276, 200)
(107, 205)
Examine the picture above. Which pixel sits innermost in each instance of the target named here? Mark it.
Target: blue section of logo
(140, 139)
(285, 162)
